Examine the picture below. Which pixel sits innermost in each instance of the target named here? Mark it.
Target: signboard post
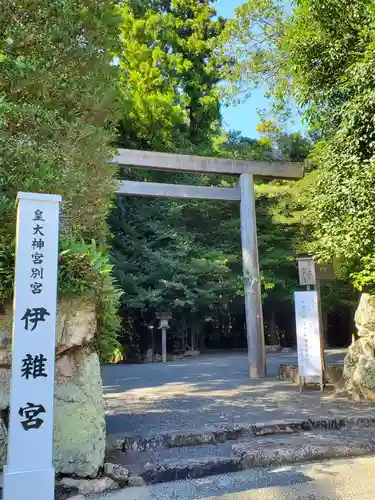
(310, 361)
(310, 275)
(29, 472)
(324, 272)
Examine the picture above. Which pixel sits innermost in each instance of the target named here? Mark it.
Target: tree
(169, 102)
(249, 48)
(319, 54)
(58, 99)
(338, 95)
(324, 60)
(235, 145)
(168, 78)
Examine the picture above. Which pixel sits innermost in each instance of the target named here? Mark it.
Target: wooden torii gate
(243, 192)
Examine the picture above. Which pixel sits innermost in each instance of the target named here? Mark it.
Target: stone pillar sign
(29, 472)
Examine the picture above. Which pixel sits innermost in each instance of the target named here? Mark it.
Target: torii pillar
(253, 295)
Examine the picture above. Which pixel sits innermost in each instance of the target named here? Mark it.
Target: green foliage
(57, 103)
(7, 256)
(323, 39)
(56, 93)
(339, 98)
(86, 270)
(322, 54)
(249, 48)
(164, 253)
(234, 145)
(167, 75)
(365, 279)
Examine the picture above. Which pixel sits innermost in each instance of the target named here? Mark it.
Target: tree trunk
(273, 329)
(325, 327)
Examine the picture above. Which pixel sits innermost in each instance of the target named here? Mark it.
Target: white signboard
(30, 474)
(308, 335)
(306, 270)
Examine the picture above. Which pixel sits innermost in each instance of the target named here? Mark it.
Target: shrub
(57, 103)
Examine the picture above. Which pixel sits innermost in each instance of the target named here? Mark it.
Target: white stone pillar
(29, 473)
(253, 301)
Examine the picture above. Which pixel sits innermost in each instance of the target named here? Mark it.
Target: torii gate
(243, 192)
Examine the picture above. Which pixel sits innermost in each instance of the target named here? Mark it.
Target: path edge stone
(209, 466)
(220, 434)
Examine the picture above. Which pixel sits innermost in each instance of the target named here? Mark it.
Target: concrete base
(30, 485)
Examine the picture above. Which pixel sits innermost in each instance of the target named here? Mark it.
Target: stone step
(221, 432)
(157, 466)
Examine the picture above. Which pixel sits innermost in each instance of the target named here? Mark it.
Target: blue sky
(244, 117)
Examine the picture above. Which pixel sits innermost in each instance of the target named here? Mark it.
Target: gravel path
(210, 390)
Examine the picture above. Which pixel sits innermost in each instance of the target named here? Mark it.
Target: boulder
(89, 487)
(116, 472)
(365, 315)
(334, 373)
(79, 434)
(358, 379)
(191, 353)
(361, 385)
(291, 373)
(136, 481)
(3, 444)
(4, 388)
(6, 337)
(75, 327)
(76, 324)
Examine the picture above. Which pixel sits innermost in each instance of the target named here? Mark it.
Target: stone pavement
(344, 479)
(195, 394)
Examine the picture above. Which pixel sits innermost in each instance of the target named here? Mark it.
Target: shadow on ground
(349, 479)
(147, 399)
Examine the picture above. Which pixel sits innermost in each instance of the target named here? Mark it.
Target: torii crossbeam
(244, 192)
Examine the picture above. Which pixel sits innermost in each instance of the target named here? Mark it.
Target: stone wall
(359, 366)
(79, 433)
